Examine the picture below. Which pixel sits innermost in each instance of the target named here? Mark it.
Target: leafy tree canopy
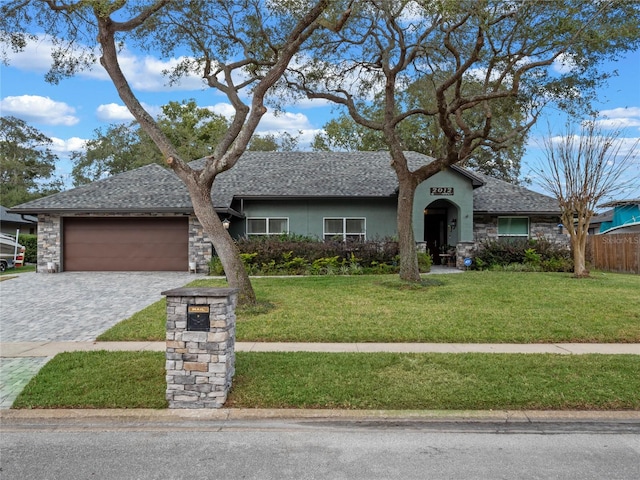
(121, 147)
(27, 163)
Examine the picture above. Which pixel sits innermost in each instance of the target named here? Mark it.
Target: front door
(435, 231)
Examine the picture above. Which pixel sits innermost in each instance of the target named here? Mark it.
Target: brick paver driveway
(69, 307)
(77, 306)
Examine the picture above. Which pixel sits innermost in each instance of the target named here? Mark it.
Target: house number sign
(441, 190)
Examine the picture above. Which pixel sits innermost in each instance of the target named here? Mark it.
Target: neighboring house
(624, 217)
(143, 219)
(10, 223)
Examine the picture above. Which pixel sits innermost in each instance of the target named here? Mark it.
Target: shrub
(424, 262)
(30, 242)
(298, 255)
(531, 254)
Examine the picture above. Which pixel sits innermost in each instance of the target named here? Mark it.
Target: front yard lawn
(352, 381)
(473, 307)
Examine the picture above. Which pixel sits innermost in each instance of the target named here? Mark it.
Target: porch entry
(436, 230)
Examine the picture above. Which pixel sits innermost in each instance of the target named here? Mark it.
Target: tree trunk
(236, 273)
(409, 271)
(579, 243)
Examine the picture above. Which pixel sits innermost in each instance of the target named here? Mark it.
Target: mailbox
(198, 318)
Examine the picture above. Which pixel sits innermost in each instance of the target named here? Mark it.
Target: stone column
(200, 355)
(464, 250)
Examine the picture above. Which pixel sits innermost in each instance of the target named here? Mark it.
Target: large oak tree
(474, 58)
(240, 48)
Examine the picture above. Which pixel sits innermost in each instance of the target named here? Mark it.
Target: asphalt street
(320, 449)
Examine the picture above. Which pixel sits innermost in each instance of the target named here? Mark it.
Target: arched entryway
(440, 230)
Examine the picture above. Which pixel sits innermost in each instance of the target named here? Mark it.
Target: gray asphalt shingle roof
(153, 188)
(15, 218)
(499, 197)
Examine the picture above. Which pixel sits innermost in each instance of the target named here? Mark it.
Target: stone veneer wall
(199, 245)
(200, 365)
(50, 240)
(486, 228)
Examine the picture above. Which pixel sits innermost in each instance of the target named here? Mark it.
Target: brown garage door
(126, 244)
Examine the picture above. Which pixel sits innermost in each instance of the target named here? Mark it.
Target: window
(346, 229)
(513, 227)
(267, 226)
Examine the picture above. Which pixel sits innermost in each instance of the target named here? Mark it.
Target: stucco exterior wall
(306, 216)
(461, 204)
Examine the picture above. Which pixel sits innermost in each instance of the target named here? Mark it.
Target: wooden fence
(615, 252)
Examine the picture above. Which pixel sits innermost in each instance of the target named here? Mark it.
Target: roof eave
(63, 211)
(310, 197)
(515, 213)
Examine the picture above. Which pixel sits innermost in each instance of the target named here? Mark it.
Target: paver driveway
(69, 307)
(77, 306)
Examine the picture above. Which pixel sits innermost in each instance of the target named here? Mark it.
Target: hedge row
(296, 255)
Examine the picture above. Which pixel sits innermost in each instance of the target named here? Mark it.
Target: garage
(125, 244)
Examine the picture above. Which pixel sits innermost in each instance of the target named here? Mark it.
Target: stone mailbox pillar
(200, 356)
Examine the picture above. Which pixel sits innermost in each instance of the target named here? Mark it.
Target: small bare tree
(579, 171)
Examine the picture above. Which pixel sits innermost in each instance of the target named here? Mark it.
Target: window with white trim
(513, 226)
(267, 226)
(345, 229)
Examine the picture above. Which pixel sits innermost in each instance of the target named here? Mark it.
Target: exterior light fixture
(225, 223)
(454, 223)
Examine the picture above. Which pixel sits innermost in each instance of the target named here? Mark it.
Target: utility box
(200, 354)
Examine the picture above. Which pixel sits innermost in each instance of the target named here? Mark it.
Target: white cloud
(37, 109)
(621, 112)
(72, 144)
(144, 73)
(563, 64)
(113, 112)
(619, 118)
(224, 109)
(615, 123)
(36, 56)
(289, 122)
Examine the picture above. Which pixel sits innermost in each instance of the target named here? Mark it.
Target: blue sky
(69, 112)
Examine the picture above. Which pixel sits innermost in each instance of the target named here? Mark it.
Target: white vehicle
(11, 252)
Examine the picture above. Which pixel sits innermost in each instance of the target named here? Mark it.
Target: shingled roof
(153, 188)
(499, 197)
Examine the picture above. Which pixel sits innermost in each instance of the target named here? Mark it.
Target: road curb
(176, 415)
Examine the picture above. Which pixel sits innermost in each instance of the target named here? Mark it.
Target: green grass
(352, 381)
(482, 307)
(149, 324)
(12, 272)
(98, 380)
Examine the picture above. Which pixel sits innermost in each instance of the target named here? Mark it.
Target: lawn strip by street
(471, 381)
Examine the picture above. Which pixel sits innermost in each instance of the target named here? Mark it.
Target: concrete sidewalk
(49, 349)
